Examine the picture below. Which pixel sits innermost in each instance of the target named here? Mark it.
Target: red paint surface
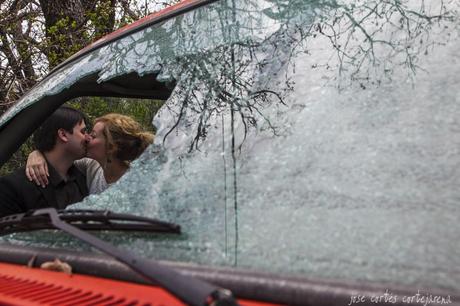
(20, 285)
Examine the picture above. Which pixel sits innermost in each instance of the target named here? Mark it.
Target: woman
(114, 142)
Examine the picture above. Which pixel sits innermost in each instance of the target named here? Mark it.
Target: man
(62, 138)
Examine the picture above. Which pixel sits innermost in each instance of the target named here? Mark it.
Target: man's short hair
(64, 117)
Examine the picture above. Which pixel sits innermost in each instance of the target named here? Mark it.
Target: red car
(307, 153)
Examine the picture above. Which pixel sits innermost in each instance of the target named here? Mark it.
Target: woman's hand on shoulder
(37, 169)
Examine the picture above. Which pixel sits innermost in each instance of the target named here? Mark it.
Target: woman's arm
(37, 168)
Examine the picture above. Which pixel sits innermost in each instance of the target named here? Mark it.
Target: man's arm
(10, 200)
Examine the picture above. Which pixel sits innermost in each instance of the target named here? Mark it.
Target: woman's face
(97, 144)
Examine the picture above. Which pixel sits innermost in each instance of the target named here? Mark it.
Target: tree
(17, 38)
(37, 35)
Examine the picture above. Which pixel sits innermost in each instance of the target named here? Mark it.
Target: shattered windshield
(312, 138)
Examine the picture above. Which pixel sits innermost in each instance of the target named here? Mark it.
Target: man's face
(77, 141)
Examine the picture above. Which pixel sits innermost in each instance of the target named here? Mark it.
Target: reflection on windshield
(318, 138)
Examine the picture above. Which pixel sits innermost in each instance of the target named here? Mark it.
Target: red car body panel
(20, 285)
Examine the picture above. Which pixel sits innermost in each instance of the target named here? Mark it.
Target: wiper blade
(190, 290)
(86, 220)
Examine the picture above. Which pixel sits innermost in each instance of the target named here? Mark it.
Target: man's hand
(37, 169)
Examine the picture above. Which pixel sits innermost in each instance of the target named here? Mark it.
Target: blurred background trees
(37, 35)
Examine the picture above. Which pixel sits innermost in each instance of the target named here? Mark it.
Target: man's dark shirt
(67, 191)
(18, 194)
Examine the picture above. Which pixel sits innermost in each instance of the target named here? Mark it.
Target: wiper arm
(86, 220)
(191, 291)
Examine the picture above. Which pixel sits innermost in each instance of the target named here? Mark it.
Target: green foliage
(63, 41)
(102, 19)
(142, 110)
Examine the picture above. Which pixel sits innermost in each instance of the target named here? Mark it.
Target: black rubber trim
(245, 284)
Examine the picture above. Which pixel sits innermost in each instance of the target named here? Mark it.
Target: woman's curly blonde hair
(125, 138)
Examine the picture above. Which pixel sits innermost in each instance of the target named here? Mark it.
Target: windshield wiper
(86, 220)
(190, 290)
